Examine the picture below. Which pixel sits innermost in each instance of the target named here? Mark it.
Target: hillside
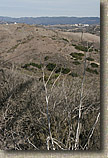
(52, 20)
(41, 74)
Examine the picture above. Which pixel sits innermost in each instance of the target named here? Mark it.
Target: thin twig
(92, 130)
(32, 144)
(47, 102)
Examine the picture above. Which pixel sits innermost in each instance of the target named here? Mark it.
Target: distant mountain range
(51, 20)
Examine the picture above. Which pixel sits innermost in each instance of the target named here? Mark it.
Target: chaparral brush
(49, 87)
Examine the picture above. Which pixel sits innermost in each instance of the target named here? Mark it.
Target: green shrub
(43, 36)
(96, 50)
(62, 70)
(94, 65)
(65, 39)
(53, 38)
(91, 71)
(55, 76)
(74, 45)
(50, 66)
(46, 78)
(46, 58)
(82, 48)
(65, 70)
(60, 49)
(13, 48)
(91, 50)
(25, 66)
(39, 66)
(74, 74)
(58, 70)
(76, 63)
(90, 59)
(78, 56)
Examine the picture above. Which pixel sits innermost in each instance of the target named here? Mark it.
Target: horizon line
(50, 16)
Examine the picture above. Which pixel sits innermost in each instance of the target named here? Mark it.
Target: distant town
(83, 25)
(90, 28)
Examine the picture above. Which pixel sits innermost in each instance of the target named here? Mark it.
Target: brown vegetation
(48, 100)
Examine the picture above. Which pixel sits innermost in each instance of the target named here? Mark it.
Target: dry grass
(41, 109)
(23, 124)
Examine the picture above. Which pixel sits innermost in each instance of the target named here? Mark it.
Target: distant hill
(52, 20)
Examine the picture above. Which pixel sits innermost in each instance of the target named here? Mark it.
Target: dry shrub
(23, 117)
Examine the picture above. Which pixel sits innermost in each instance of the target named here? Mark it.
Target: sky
(38, 8)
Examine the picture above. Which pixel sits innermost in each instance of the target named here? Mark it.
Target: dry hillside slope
(28, 56)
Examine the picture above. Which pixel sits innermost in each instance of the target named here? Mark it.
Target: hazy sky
(21, 8)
